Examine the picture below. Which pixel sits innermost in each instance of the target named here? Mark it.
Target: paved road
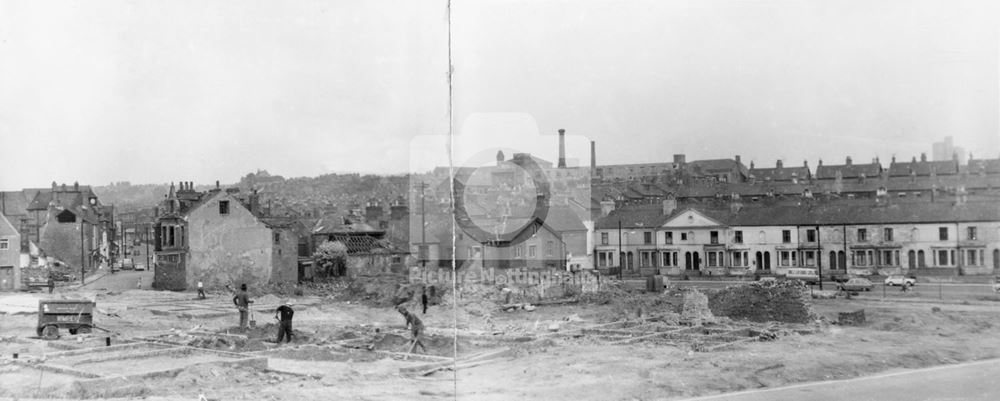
(921, 290)
(122, 280)
(970, 381)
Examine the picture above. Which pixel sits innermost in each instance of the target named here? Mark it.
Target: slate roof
(781, 174)
(989, 166)
(847, 171)
(923, 168)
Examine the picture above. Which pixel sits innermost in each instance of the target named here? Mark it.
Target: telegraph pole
(819, 257)
(83, 271)
(423, 228)
(620, 254)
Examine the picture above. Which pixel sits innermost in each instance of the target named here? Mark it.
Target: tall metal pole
(620, 253)
(83, 272)
(819, 258)
(423, 229)
(145, 232)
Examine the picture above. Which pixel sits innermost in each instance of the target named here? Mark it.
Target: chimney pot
(779, 164)
(923, 157)
(848, 160)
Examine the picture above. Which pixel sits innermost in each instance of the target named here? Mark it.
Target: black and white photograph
(725, 200)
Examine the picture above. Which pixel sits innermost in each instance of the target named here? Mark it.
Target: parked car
(856, 284)
(899, 279)
(840, 278)
(140, 266)
(127, 264)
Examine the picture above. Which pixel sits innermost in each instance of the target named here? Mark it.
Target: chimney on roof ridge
(751, 164)
(805, 163)
(669, 205)
(738, 159)
(76, 184)
(923, 157)
(593, 157)
(779, 164)
(893, 159)
(820, 163)
(848, 160)
(216, 184)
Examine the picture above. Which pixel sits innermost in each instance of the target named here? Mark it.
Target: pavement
(971, 381)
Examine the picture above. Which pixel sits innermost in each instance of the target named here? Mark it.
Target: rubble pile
(381, 290)
(764, 301)
(695, 310)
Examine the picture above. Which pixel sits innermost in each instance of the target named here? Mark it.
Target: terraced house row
(940, 237)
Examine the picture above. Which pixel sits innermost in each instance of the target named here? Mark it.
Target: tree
(330, 259)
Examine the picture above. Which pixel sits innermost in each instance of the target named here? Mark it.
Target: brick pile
(785, 301)
(695, 310)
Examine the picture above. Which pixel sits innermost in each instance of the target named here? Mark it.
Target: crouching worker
(416, 328)
(284, 322)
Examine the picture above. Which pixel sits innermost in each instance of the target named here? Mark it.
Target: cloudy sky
(160, 91)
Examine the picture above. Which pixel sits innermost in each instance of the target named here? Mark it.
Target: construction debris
(764, 301)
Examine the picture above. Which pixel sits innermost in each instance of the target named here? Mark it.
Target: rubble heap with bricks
(764, 301)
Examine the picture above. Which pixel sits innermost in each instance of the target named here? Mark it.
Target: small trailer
(74, 315)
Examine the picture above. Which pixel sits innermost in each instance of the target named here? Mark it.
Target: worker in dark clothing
(423, 299)
(52, 284)
(242, 302)
(416, 328)
(284, 322)
(201, 291)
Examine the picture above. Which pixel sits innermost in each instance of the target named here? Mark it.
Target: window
(603, 259)
(4, 244)
(942, 258)
(740, 259)
(971, 258)
(647, 237)
(785, 258)
(943, 233)
(670, 259)
(646, 259)
(712, 259)
(713, 237)
(549, 248)
(738, 237)
(972, 233)
(518, 251)
(761, 237)
(887, 258)
(786, 236)
(864, 258)
(810, 258)
(474, 251)
(532, 251)
(668, 237)
(810, 235)
(224, 207)
(604, 238)
(277, 238)
(684, 237)
(862, 235)
(887, 235)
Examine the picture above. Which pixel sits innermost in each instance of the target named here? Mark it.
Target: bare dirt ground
(583, 350)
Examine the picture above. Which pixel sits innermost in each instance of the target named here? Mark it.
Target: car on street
(140, 266)
(856, 284)
(840, 278)
(899, 279)
(808, 276)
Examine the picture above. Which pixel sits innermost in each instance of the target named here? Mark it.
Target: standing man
(423, 299)
(242, 302)
(52, 283)
(416, 328)
(285, 322)
(201, 291)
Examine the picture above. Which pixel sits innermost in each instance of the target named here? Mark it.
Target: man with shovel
(416, 328)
